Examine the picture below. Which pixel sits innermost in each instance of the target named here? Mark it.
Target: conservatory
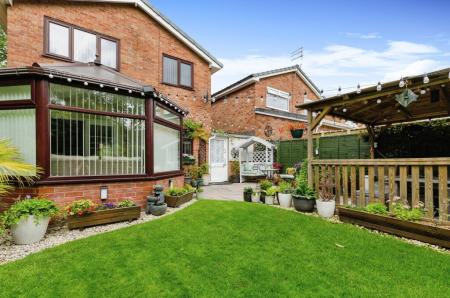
(86, 123)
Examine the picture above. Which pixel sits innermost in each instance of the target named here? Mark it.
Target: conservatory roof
(374, 106)
(90, 74)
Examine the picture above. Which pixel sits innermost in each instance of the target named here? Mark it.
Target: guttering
(237, 87)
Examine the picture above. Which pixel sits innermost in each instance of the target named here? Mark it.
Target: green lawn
(223, 249)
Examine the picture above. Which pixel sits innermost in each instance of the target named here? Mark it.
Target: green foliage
(3, 48)
(265, 184)
(196, 172)
(377, 208)
(188, 159)
(406, 213)
(179, 191)
(303, 190)
(271, 191)
(204, 169)
(302, 177)
(284, 187)
(80, 207)
(37, 207)
(291, 171)
(13, 168)
(195, 130)
(126, 203)
(248, 189)
(235, 168)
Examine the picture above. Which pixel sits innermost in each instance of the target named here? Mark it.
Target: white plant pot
(255, 197)
(325, 209)
(285, 199)
(26, 231)
(269, 200)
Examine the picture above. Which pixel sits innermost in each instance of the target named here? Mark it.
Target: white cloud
(342, 65)
(371, 35)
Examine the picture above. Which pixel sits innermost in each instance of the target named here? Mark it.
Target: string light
(426, 79)
(344, 110)
(358, 89)
(50, 76)
(101, 85)
(69, 80)
(379, 100)
(142, 93)
(379, 86)
(422, 91)
(86, 83)
(401, 84)
(129, 91)
(117, 89)
(449, 74)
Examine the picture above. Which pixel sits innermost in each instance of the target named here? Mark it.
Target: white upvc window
(277, 99)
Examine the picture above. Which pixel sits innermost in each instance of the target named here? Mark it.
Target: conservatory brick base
(66, 193)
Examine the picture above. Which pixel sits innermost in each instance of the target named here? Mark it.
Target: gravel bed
(59, 234)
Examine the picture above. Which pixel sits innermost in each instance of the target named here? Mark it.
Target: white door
(218, 159)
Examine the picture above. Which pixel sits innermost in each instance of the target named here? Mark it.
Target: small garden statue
(156, 204)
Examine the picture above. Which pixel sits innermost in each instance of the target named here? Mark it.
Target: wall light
(104, 192)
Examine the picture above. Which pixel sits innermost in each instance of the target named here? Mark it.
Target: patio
(228, 192)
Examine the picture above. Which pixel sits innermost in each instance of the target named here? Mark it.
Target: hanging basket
(297, 133)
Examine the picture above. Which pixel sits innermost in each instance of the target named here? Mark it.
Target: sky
(345, 43)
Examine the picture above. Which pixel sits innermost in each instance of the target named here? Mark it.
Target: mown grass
(215, 248)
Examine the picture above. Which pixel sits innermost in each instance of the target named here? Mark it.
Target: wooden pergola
(378, 106)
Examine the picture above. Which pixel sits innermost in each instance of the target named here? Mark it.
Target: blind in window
(186, 74)
(170, 71)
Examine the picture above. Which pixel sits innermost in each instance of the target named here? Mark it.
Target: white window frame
(306, 100)
(278, 93)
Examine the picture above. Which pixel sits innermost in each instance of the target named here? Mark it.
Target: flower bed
(84, 213)
(176, 196)
(414, 230)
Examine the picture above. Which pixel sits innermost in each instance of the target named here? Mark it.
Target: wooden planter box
(413, 230)
(178, 201)
(104, 217)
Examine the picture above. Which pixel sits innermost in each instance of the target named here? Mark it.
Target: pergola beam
(319, 117)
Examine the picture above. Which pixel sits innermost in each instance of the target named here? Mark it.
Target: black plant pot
(297, 133)
(197, 182)
(303, 204)
(262, 197)
(187, 180)
(247, 196)
(234, 179)
(157, 209)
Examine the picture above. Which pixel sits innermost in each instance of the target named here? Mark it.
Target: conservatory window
(277, 99)
(95, 133)
(19, 127)
(19, 92)
(166, 146)
(167, 115)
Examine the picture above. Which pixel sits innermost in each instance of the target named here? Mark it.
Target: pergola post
(309, 133)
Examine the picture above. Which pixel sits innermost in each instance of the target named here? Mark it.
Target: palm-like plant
(13, 168)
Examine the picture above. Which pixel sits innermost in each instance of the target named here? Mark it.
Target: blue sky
(345, 42)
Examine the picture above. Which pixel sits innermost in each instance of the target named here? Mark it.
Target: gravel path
(57, 235)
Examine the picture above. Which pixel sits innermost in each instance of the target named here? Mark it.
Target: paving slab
(230, 192)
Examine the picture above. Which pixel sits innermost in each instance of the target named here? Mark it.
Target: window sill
(107, 179)
(65, 59)
(178, 86)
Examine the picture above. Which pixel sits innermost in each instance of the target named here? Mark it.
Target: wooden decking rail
(359, 182)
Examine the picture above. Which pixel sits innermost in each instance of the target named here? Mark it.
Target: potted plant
(28, 219)
(326, 203)
(284, 194)
(248, 191)
(235, 171)
(256, 196)
(264, 185)
(270, 194)
(297, 129)
(85, 213)
(204, 172)
(177, 196)
(304, 198)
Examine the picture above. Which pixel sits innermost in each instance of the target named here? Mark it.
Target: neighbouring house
(94, 94)
(262, 105)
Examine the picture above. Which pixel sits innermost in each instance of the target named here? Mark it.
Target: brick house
(100, 85)
(263, 104)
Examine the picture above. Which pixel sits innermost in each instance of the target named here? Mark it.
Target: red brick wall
(64, 194)
(142, 44)
(238, 116)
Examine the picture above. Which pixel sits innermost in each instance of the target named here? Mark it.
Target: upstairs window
(277, 99)
(177, 72)
(75, 44)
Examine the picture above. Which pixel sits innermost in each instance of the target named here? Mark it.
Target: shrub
(326, 189)
(377, 208)
(303, 190)
(302, 177)
(403, 211)
(284, 187)
(248, 189)
(265, 184)
(126, 203)
(37, 207)
(291, 171)
(80, 207)
(179, 191)
(235, 168)
(271, 191)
